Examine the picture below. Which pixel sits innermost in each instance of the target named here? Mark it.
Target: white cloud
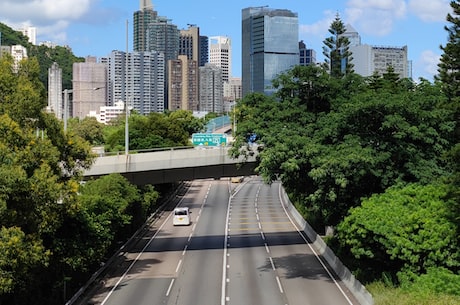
(427, 63)
(375, 17)
(430, 10)
(40, 11)
(319, 28)
(50, 17)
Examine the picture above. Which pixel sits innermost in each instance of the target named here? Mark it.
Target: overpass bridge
(173, 164)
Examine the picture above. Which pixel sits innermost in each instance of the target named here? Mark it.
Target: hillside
(45, 55)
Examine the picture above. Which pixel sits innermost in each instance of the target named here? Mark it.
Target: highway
(241, 248)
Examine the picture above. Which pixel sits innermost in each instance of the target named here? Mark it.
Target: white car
(181, 216)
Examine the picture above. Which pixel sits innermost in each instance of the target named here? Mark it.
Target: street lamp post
(126, 129)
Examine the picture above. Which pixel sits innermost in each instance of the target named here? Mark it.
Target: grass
(384, 295)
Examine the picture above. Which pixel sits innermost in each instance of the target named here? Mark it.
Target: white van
(181, 216)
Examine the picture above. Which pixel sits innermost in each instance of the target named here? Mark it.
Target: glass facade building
(270, 46)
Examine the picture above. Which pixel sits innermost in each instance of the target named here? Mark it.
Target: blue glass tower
(270, 46)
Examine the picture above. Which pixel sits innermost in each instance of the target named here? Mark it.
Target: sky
(97, 27)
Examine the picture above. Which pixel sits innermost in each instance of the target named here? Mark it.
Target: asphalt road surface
(240, 249)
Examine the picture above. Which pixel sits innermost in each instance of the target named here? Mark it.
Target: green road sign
(209, 139)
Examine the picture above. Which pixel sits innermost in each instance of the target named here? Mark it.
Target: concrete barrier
(358, 290)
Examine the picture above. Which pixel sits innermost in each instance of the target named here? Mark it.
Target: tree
(336, 50)
(333, 141)
(89, 129)
(19, 254)
(449, 65)
(404, 231)
(151, 131)
(39, 169)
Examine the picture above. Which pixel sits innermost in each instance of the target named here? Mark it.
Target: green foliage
(454, 184)
(336, 50)
(405, 230)
(152, 131)
(96, 218)
(436, 280)
(333, 141)
(11, 37)
(449, 72)
(449, 65)
(19, 254)
(44, 55)
(22, 95)
(88, 129)
(389, 295)
(39, 167)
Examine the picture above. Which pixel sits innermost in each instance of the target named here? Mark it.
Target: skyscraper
(55, 91)
(270, 46)
(142, 19)
(189, 42)
(211, 89)
(139, 82)
(153, 33)
(204, 51)
(183, 84)
(89, 83)
(220, 54)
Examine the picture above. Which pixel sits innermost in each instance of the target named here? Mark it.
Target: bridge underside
(188, 173)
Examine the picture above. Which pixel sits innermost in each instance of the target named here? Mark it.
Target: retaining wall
(356, 288)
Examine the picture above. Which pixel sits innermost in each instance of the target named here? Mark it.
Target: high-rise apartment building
(183, 84)
(220, 54)
(211, 89)
(136, 78)
(204, 51)
(142, 19)
(270, 46)
(55, 104)
(189, 43)
(163, 36)
(31, 33)
(89, 87)
(232, 89)
(18, 53)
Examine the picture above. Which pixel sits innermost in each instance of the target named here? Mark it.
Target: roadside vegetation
(377, 159)
(56, 230)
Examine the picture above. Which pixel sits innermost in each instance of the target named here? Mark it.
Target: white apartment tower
(31, 33)
(137, 79)
(220, 55)
(55, 104)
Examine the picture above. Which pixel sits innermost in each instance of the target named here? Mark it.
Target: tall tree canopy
(333, 141)
(336, 50)
(449, 65)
